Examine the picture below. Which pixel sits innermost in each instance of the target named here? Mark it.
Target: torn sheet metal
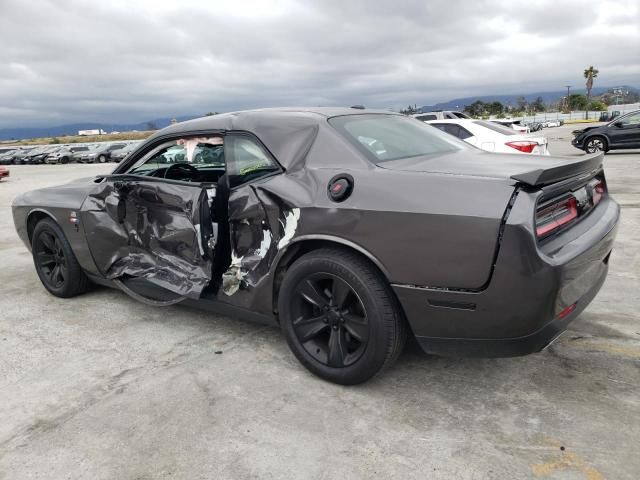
(251, 241)
(149, 230)
(260, 225)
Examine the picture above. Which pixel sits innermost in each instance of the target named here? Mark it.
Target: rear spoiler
(568, 169)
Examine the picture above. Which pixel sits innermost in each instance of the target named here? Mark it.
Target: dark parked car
(6, 155)
(98, 153)
(22, 156)
(350, 229)
(39, 154)
(63, 154)
(79, 153)
(621, 133)
(534, 126)
(121, 154)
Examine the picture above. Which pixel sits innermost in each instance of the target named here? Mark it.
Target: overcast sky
(63, 61)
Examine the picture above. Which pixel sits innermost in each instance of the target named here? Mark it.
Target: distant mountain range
(455, 104)
(547, 97)
(72, 129)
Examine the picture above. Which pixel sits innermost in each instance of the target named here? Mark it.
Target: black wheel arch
(597, 134)
(33, 218)
(308, 243)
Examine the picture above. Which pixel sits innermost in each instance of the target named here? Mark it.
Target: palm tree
(590, 73)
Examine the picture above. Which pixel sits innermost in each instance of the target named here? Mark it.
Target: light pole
(568, 92)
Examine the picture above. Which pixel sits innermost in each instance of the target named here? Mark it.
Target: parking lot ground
(102, 387)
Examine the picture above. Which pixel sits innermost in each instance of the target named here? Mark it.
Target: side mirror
(618, 124)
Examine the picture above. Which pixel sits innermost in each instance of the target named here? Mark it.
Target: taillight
(567, 311)
(598, 189)
(523, 146)
(554, 216)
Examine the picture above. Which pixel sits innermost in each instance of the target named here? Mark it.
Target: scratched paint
(289, 225)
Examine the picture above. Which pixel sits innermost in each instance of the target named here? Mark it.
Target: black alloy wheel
(330, 320)
(50, 259)
(596, 144)
(55, 262)
(340, 316)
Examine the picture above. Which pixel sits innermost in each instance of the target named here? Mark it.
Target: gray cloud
(119, 61)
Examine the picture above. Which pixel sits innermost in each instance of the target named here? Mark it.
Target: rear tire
(340, 317)
(596, 144)
(102, 159)
(55, 262)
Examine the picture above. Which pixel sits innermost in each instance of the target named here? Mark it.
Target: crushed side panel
(148, 230)
(260, 224)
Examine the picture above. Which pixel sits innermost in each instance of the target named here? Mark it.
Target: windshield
(382, 138)
(496, 127)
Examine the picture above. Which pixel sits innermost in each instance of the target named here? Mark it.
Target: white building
(622, 109)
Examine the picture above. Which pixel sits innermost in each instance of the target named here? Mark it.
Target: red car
(4, 172)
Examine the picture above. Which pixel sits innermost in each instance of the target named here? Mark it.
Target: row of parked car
(79, 153)
(517, 124)
(503, 136)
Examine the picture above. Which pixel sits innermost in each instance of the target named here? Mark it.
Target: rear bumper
(524, 305)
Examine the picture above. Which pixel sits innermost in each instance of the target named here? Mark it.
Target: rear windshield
(382, 138)
(496, 127)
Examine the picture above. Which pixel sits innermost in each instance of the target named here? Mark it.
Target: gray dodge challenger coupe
(350, 229)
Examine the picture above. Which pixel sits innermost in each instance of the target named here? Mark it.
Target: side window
(426, 118)
(631, 120)
(247, 160)
(463, 133)
(202, 157)
(452, 130)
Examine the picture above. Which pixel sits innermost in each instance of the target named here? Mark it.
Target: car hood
(532, 170)
(70, 195)
(579, 132)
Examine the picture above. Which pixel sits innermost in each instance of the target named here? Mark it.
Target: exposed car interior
(219, 164)
(206, 159)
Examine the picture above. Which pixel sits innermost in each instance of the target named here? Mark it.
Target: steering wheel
(183, 171)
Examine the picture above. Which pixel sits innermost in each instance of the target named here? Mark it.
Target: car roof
(287, 132)
(452, 120)
(214, 122)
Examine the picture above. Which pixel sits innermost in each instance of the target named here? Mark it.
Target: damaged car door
(154, 222)
(253, 216)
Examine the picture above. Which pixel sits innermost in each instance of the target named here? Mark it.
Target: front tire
(596, 144)
(340, 317)
(102, 158)
(56, 265)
